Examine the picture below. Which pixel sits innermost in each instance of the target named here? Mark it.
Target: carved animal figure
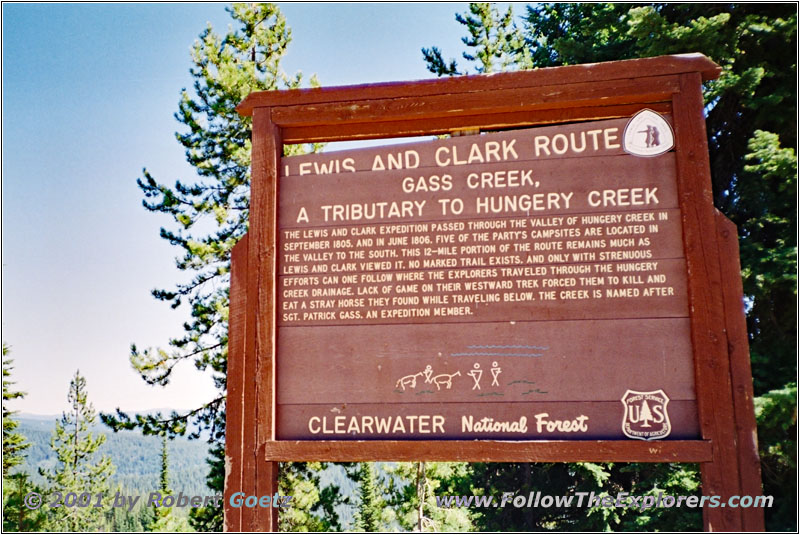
(410, 380)
(445, 379)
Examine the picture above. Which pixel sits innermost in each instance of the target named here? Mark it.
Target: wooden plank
(531, 190)
(426, 155)
(687, 451)
(715, 403)
(235, 384)
(267, 147)
(673, 64)
(557, 96)
(545, 239)
(741, 375)
(576, 140)
(545, 361)
(249, 409)
(446, 125)
(498, 420)
(549, 296)
(268, 473)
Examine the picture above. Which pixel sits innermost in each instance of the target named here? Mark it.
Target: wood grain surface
(544, 451)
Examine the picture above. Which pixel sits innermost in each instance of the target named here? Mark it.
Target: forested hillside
(137, 458)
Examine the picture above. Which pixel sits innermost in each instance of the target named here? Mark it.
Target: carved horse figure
(445, 379)
(410, 380)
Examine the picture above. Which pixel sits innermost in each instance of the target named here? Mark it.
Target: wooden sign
(553, 290)
(460, 284)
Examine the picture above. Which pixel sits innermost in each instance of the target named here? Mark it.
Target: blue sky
(89, 93)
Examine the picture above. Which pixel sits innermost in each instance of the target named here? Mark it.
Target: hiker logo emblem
(647, 134)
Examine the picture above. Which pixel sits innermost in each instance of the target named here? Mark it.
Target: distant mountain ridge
(35, 416)
(137, 458)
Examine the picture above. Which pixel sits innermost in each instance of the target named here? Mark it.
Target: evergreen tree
(76, 471)
(120, 519)
(14, 444)
(752, 137)
(163, 476)
(412, 492)
(313, 506)
(216, 139)
(16, 515)
(210, 518)
(166, 519)
(370, 506)
(146, 517)
(496, 43)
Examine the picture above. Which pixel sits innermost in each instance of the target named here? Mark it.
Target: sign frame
(727, 451)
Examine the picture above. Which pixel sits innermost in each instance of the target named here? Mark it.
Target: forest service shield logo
(647, 134)
(645, 416)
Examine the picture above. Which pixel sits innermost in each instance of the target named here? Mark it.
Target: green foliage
(16, 516)
(751, 124)
(776, 413)
(767, 225)
(210, 518)
(120, 519)
(164, 474)
(136, 458)
(370, 506)
(14, 444)
(496, 44)
(165, 518)
(412, 496)
(564, 34)
(313, 505)
(646, 479)
(77, 470)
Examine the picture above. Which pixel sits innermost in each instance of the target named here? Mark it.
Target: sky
(88, 95)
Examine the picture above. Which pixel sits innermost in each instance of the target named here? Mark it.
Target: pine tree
(166, 520)
(412, 492)
(162, 513)
(496, 43)
(77, 472)
(163, 476)
(216, 140)
(14, 443)
(370, 506)
(16, 517)
(313, 506)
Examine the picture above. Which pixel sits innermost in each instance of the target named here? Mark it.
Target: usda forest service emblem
(647, 134)
(645, 416)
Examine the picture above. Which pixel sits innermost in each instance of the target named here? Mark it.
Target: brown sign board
(459, 283)
(559, 278)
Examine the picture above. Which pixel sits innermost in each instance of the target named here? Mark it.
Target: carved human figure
(428, 373)
(476, 374)
(495, 372)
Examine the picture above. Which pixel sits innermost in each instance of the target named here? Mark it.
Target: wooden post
(267, 150)
(741, 375)
(235, 452)
(712, 367)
